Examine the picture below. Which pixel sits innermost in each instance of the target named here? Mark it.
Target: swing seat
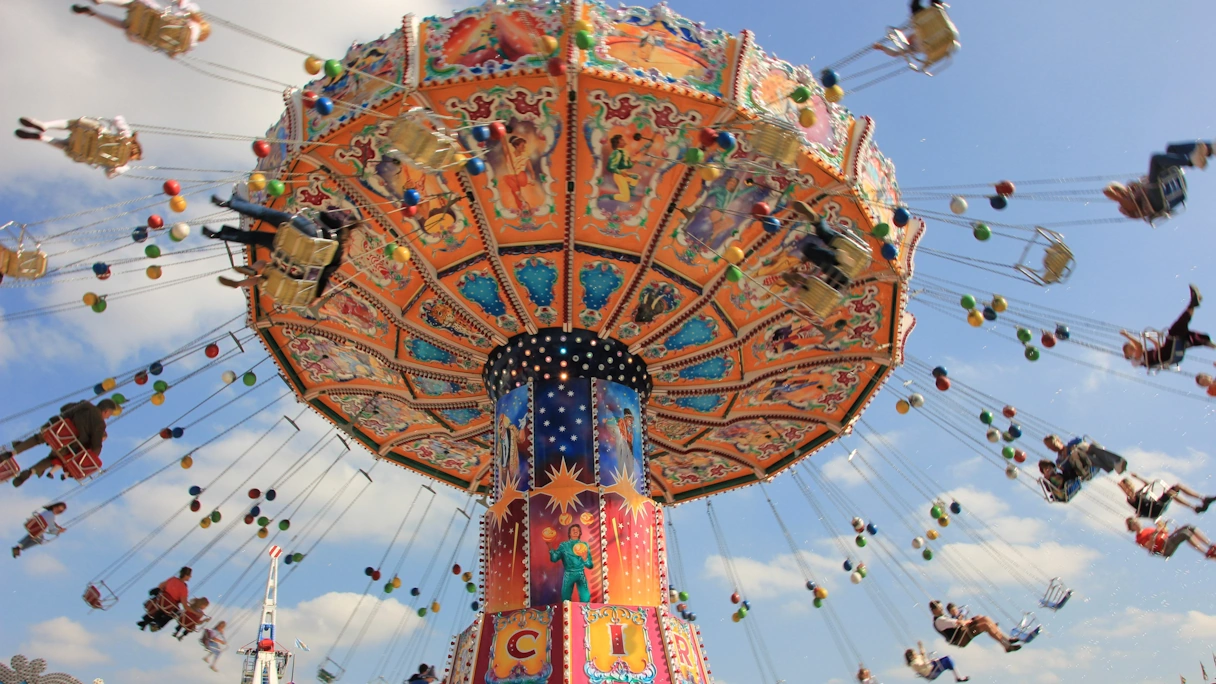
(99, 596)
(821, 298)
(22, 264)
(1057, 263)
(36, 527)
(286, 290)
(1171, 354)
(1054, 495)
(161, 604)
(163, 30)
(9, 470)
(1027, 630)
(191, 620)
(422, 146)
(326, 677)
(78, 462)
(1056, 596)
(776, 143)
(297, 262)
(936, 34)
(852, 257)
(92, 143)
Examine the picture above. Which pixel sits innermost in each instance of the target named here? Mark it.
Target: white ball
(958, 205)
(916, 400)
(918, 542)
(1011, 472)
(229, 377)
(994, 435)
(179, 232)
(855, 578)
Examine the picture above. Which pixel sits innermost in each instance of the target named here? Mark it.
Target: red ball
(141, 378)
(212, 350)
(735, 598)
(1009, 412)
(761, 209)
(309, 98)
(375, 575)
(1004, 188)
(261, 149)
(456, 569)
(1212, 390)
(410, 212)
(249, 520)
(1048, 340)
(498, 130)
(943, 383)
(557, 66)
(166, 433)
(1019, 456)
(172, 188)
(195, 506)
(254, 493)
(708, 136)
(155, 222)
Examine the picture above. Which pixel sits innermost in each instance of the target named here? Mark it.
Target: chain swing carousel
(576, 281)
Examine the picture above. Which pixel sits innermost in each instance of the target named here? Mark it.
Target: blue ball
(415, 591)
(475, 605)
(139, 234)
(270, 494)
(889, 251)
(684, 614)
(747, 605)
(989, 313)
(255, 511)
(475, 166)
(940, 372)
(178, 432)
(324, 106)
(99, 389)
(810, 586)
(287, 560)
(1062, 331)
(998, 202)
(692, 617)
(481, 133)
(196, 490)
(156, 368)
(956, 507)
(848, 566)
(828, 78)
(411, 197)
(1015, 430)
(900, 217)
(726, 140)
(100, 268)
(771, 224)
(872, 529)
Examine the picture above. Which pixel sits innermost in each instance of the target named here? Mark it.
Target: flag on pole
(301, 645)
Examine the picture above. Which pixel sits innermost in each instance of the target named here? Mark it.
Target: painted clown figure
(575, 557)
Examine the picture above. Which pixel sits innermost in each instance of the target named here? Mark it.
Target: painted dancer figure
(575, 557)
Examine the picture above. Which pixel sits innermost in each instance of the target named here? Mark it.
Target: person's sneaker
(1211, 552)
(31, 123)
(82, 9)
(1207, 501)
(5, 456)
(219, 201)
(27, 135)
(21, 478)
(16, 551)
(1013, 647)
(229, 282)
(207, 232)
(1196, 298)
(245, 270)
(963, 679)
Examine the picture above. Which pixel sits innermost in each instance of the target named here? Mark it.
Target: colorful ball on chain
(99, 389)
(871, 529)
(324, 106)
(119, 399)
(401, 254)
(733, 254)
(821, 593)
(1203, 380)
(411, 197)
(284, 524)
(902, 407)
(927, 554)
(228, 377)
(195, 506)
(466, 576)
(735, 598)
(989, 313)
(333, 68)
(475, 166)
(482, 133)
(287, 559)
(178, 204)
(100, 269)
(212, 350)
(889, 251)
(993, 435)
(261, 149)
(801, 94)
(154, 272)
(807, 117)
(1015, 431)
(694, 156)
(710, 174)
(986, 417)
(263, 533)
(276, 188)
(847, 565)
(271, 495)
(178, 432)
(860, 540)
(855, 578)
(942, 384)
(249, 379)
(944, 521)
(313, 64)
(956, 507)
(958, 205)
(981, 232)
(684, 595)
(1062, 331)
(368, 571)
(263, 521)
(166, 433)
(818, 603)
(309, 98)
(256, 510)
(155, 222)
(881, 231)
(1032, 354)
(1047, 340)
(829, 78)
(916, 400)
(1008, 452)
(998, 202)
(975, 319)
(139, 234)
(858, 524)
(204, 523)
(900, 217)
(1004, 188)
(940, 372)
(248, 519)
(215, 516)
(415, 591)
(475, 605)
(932, 535)
(918, 542)
(999, 304)
(834, 94)
(470, 587)
(584, 40)
(152, 251)
(1019, 456)
(388, 588)
(195, 490)
(256, 182)
(179, 232)
(734, 617)
(726, 140)
(967, 302)
(733, 274)
(160, 386)
(935, 512)
(1011, 472)
(771, 224)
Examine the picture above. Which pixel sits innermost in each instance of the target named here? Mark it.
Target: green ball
(683, 595)
(1007, 436)
(1024, 335)
(215, 516)
(470, 587)
(881, 231)
(99, 306)
(861, 540)
(388, 588)
(118, 399)
(152, 251)
(863, 571)
(1032, 354)
(263, 521)
(986, 417)
(284, 524)
(818, 603)
(422, 612)
(967, 302)
(388, 249)
(742, 612)
(276, 188)
(733, 274)
(1007, 452)
(694, 155)
(935, 512)
(249, 379)
(160, 386)
(333, 68)
(981, 232)
(927, 554)
(297, 557)
(801, 94)
(584, 40)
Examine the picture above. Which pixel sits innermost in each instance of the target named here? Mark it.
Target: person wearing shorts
(1160, 541)
(1151, 499)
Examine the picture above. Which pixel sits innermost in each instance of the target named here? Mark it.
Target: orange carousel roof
(746, 382)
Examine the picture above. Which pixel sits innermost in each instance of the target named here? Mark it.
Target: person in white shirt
(213, 640)
(186, 10)
(959, 631)
(51, 527)
(115, 161)
(930, 668)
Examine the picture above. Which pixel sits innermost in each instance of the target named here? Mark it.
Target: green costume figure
(619, 162)
(576, 566)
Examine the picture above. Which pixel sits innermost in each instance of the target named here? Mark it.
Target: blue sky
(1040, 90)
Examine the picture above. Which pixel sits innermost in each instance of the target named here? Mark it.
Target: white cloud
(840, 470)
(64, 642)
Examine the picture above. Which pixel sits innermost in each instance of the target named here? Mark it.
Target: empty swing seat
(1027, 630)
(936, 35)
(1057, 263)
(1056, 596)
(99, 596)
(776, 143)
(162, 30)
(22, 263)
(422, 146)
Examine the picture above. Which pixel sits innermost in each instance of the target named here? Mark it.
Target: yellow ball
(931, 534)
(262, 533)
(204, 523)
(734, 617)
(401, 254)
(178, 204)
(187, 462)
(999, 304)
(710, 173)
(313, 65)
(975, 319)
(108, 384)
(821, 593)
(257, 182)
(833, 94)
(944, 521)
(732, 254)
(396, 582)
(154, 272)
(806, 117)
(158, 398)
(117, 411)
(435, 607)
(902, 407)
(549, 43)
(89, 299)
(582, 25)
